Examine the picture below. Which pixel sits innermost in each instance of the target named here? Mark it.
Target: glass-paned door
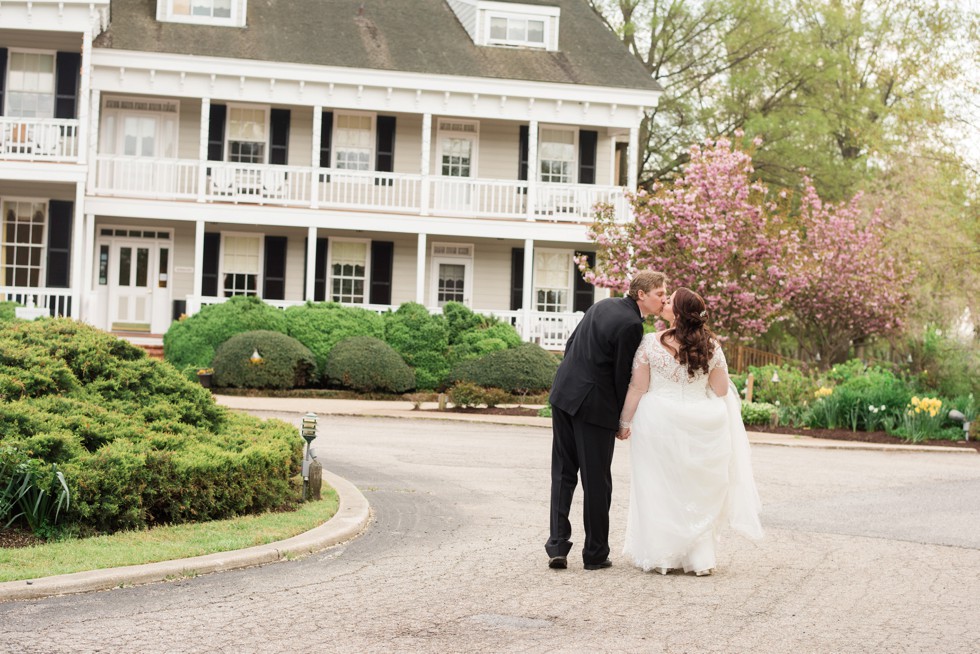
(451, 283)
(457, 164)
(132, 274)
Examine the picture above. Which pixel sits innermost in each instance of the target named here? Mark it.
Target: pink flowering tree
(713, 230)
(846, 287)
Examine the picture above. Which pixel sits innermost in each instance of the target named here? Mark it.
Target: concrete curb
(350, 520)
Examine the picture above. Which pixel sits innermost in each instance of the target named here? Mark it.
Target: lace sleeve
(717, 359)
(639, 384)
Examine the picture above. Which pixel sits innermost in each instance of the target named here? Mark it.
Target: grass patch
(163, 543)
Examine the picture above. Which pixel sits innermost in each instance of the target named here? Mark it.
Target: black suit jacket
(592, 379)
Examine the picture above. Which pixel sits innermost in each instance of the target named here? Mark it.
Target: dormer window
(509, 24)
(229, 13)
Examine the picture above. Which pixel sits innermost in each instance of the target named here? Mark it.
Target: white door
(456, 166)
(132, 278)
(452, 279)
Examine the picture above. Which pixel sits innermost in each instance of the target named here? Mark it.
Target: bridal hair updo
(694, 339)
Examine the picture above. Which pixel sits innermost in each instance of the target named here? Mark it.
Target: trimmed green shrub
(461, 319)
(191, 343)
(364, 363)
(794, 387)
(759, 413)
(521, 370)
(494, 396)
(137, 443)
(319, 326)
(422, 339)
(8, 311)
(284, 363)
(465, 394)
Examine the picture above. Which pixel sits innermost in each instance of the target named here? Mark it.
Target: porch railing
(38, 139)
(56, 301)
(298, 186)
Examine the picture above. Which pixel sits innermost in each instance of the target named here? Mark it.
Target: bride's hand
(623, 433)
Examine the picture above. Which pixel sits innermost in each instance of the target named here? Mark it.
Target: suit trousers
(580, 447)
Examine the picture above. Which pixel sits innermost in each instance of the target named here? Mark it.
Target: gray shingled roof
(422, 36)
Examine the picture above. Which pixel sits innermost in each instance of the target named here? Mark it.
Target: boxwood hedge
(322, 325)
(521, 370)
(284, 362)
(368, 364)
(422, 339)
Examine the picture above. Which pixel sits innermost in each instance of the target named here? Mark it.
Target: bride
(690, 454)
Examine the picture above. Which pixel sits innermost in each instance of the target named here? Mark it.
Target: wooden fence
(740, 357)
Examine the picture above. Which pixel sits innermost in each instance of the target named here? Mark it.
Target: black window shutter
(279, 136)
(516, 278)
(588, 141)
(382, 267)
(584, 293)
(326, 138)
(522, 156)
(68, 66)
(209, 274)
(3, 76)
(384, 159)
(319, 269)
(59, 243)
(274, 276)
(216, 132)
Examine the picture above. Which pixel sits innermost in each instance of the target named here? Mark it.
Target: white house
(158, 155)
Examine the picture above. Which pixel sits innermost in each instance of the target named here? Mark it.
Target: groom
(586, 398)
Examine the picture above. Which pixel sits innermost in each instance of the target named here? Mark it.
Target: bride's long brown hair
(690, 332)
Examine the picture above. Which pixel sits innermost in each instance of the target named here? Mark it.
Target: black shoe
(558, 562)
(598, 566)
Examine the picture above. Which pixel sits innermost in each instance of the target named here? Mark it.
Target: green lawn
(162, 543)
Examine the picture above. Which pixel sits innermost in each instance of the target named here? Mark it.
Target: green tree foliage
(191, 343)
(284, 362)
(368, 364)
(319, 326)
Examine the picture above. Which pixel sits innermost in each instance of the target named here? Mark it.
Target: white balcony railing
(298, 186)
(55, 301)
(38, 139)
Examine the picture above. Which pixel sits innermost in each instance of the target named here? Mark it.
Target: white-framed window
(229, 13)
(23, 238)
(30, 84)
(349, 261)
(556, 155)
(353, 141)
(248, 130)
(552, 280)
(516, 30)
(458, 143)
(241, 258)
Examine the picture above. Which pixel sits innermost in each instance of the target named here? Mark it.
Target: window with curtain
(211, 8)
(557, 155)
(247, 134)
(240, 264)
(552, 280)
(352, 137)
(22, 253)
(516, 30)
(348, 271)
(30, 85)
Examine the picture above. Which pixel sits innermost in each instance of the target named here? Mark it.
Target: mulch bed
(832, 434)
(13, 537)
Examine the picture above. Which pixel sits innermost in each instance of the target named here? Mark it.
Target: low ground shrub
(8, 311)
(874, 399)
(319, 326)
(422, 339)
(137, 443)
(367, 364)
(284, 362)
(785, 385)
(521, 370)
(759, 413)
(191, 343)
(465, 394)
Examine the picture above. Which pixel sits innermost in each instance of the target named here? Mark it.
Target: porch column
(198, 261)
(315, 164)
(612, 161)
(309, 291)
(77, 248)
(420, 271)
(88, 265)
(85, 86)
(92, 131)
(425, 163)
(633, 158)
(527, 325)
(202, 156)
(532, 169)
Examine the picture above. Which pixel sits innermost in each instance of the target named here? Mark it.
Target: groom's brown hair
(646, 281)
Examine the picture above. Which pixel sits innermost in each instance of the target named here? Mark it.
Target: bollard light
(957, 416)
(307, 429)
(256, 357)
(775, 376)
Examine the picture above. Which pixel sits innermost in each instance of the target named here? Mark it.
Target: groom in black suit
(586, 399)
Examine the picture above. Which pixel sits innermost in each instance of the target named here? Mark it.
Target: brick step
(153, 351)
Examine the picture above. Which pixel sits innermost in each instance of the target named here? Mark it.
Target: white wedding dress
(690, 462)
